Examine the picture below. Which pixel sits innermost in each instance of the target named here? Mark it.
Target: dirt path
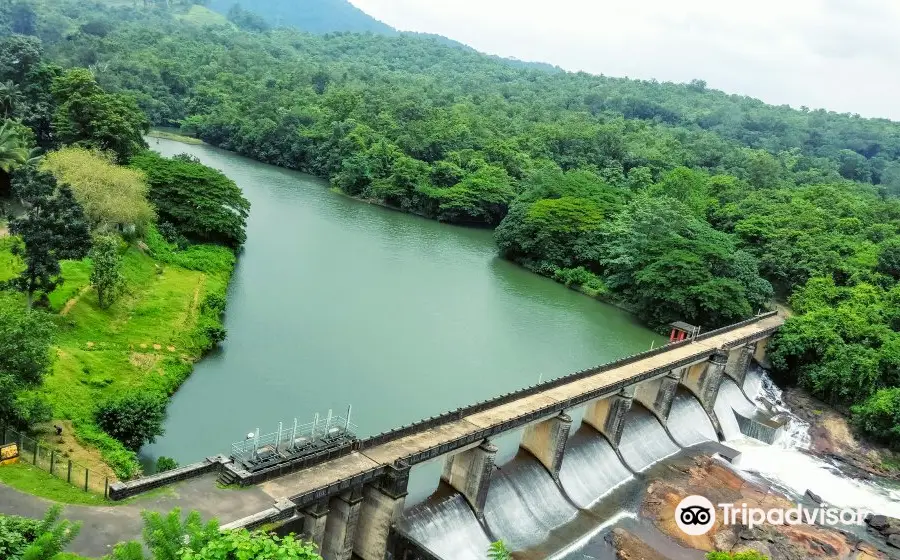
(4, 231)
(74, 301)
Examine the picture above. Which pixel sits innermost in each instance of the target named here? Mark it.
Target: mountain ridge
(315, 16)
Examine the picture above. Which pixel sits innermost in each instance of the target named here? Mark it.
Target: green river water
(337, 302)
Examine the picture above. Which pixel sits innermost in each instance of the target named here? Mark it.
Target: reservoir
(337, 302)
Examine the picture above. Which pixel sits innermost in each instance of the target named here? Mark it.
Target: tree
(669, 265)
(25, 340)
(13, 152)
(134, 418)
(889, 258)
(32, 539)
(89, 117)
(169, 537)
(879, 416)
(52, 229)
(10, 98)
(200, 202)
(19, 55)
(106, 275)
(113, 197)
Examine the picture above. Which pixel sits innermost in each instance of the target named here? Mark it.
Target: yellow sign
(9, 454)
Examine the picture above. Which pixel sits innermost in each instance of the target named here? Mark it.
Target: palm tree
(13, 149)
(9, 99)
(13, 153)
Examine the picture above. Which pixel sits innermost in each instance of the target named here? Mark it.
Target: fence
(47, 458)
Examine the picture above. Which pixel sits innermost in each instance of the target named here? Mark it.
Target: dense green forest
(677, 201)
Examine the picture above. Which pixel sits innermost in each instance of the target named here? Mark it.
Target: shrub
(164, 464)
(35, 540)
(747, 555)
(134, 418)
(879, 416)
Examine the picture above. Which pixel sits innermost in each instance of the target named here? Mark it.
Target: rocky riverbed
(718, 482)
(832, 437)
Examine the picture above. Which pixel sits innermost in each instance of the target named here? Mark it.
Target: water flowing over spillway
(644, 440)
(730, 400)
(448, 528)
(785, 463)
(688, 422)
(524, 504)
(591, 469)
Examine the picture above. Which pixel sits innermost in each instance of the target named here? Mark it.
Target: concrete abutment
(607, 416)
(469, 473)
(547, 442)
(341, 525)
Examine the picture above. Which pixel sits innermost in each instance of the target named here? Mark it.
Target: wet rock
(630, 547)
(878, 522)
(718, 483)
(813, 496)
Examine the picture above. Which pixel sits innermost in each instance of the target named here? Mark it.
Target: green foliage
(498, 551)
(13, 148)
(25, 340)
(113, 197)
(202, 203)
(748, 555)
(89, 117)
(879, 416)
(106, 271)
(52, 229)
(169, 537)
(204, 258)
(669, 265)
(164, 464)
(29, 539)
(134, 418)
(237, 545)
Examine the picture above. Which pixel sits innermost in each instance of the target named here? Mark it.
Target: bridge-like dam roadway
(428, 443)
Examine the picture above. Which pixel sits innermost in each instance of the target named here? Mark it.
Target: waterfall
(644, 441)
(730, 400)
(795, 434)
(447, 527)
(688, 422)
(591, 469)
(524, 504)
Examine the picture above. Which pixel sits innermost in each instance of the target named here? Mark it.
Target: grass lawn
(200, 15)
(166, 135)
(147, 340)
(32, 480)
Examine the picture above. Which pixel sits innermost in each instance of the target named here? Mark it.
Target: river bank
(148, 340)
(833, 437)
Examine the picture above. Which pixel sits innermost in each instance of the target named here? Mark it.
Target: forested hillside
(677, 201)
(315, 16)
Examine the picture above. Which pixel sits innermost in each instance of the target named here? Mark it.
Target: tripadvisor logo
(695, 515)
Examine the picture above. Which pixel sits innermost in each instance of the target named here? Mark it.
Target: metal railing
(293, 437)
(345, 483)
(460, 413)
(47, 458)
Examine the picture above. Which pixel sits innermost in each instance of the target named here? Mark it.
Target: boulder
(813, 496)
(894, 540)
(878, 522)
